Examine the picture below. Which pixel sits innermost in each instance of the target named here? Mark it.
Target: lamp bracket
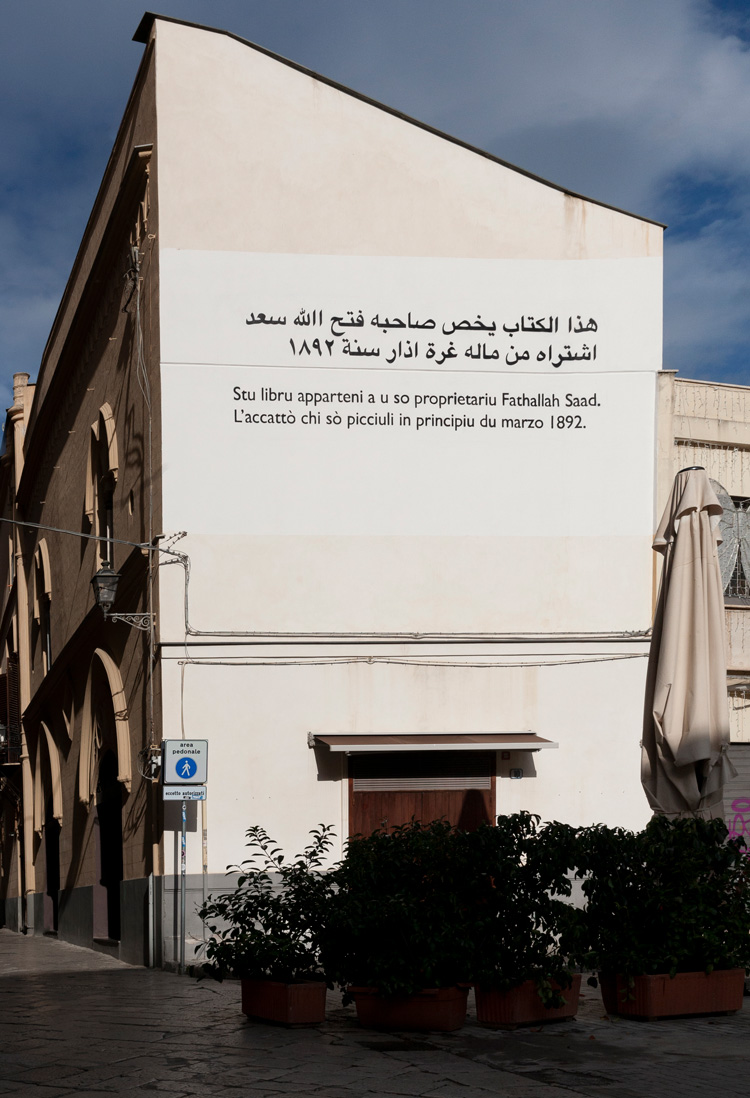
(138, 621)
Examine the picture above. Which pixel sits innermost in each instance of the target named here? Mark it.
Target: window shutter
(12, 700)
(421, 770)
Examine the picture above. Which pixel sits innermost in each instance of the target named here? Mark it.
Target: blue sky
(639, 104)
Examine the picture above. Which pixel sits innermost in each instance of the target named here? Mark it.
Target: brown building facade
(81, 486)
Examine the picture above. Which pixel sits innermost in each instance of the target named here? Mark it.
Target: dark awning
(426, 741)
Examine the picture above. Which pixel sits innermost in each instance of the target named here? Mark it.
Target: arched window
(734, 551)
(101, 483)
(42, 601)
(10, 709)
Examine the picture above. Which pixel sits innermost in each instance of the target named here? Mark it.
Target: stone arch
(47, 745)
(103, 455)
(42, 577)
(88, 760)
(42, 602)
(101, 479)
(68, 706)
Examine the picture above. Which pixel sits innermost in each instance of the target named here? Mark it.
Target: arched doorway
(51, 868)
(108, 841)
(48, 812)
(104, 777)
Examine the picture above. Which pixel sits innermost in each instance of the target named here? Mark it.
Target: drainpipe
(17, 415)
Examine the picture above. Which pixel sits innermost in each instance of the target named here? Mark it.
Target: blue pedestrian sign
(186, 768)
(185, 762)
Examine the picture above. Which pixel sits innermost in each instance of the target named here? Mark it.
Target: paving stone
(460, 1090)
(76, 1024)
(34, 1090)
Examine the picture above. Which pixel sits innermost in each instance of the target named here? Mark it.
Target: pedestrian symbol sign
(185, 762)
(186, 768)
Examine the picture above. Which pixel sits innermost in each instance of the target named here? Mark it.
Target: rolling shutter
(421, 770)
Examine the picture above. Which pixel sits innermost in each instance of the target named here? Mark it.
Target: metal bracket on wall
(138, 621)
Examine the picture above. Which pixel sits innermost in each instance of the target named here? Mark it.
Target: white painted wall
(281, 197)
(258, 157)
(257, 718)
(368, 493)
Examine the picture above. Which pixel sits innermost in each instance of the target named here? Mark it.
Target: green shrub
(398, 919)
(430, 905)
(674, 897)
(519, 872)
(269, 925)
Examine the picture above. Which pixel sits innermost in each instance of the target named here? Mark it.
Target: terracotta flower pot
(651, 997)
(521, 1006)
(442, 1009)
(298, 1004)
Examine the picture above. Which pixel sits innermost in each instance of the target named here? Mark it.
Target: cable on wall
(404, 661)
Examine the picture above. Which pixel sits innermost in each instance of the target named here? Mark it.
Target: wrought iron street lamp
(105, 584)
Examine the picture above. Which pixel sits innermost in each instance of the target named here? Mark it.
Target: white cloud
(615, 100)
(707, 293)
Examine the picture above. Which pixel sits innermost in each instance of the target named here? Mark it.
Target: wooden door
(392, 788)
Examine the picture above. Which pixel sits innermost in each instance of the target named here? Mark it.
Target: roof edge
(143, 30)
(143, 33)
(707, 381)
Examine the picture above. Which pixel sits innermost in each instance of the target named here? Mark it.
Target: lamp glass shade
(105, 587)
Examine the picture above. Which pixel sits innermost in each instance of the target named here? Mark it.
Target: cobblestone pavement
(73, 1022)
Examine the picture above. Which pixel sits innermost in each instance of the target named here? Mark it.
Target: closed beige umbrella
(684, 762)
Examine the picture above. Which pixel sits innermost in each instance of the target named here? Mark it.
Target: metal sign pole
(184, 776)
(182, 886)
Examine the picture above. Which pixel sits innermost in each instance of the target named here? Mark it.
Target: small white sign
(185, 762)
(184, 793)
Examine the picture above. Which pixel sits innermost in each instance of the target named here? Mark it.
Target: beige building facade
(702, 423)
(348, 405)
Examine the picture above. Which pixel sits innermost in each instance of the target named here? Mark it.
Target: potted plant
(667, 919)
(518, 873)
(265, 931)
(395, 939)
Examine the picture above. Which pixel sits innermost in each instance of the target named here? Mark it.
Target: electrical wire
(183, 559)
(145, 386)
(95, 537)
(191, 631)
(404, 661)
(258, 634)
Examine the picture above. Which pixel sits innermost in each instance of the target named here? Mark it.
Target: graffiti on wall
(738, 821)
